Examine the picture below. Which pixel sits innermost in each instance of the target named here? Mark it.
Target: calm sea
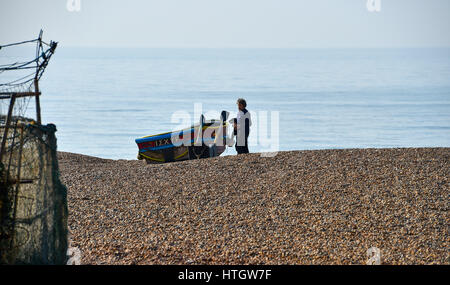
(101, 100)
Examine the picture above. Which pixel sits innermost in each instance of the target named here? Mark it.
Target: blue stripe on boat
(170, 145)
(159, 137)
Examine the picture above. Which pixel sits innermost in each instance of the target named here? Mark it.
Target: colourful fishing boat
(188, 143)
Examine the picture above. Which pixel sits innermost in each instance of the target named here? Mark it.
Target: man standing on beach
(242, 127)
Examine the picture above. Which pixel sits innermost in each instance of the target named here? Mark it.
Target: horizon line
(250, 47)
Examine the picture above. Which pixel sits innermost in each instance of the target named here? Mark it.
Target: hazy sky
(229, 23)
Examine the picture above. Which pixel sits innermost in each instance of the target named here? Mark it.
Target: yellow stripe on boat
(155, 159)
(162, 160)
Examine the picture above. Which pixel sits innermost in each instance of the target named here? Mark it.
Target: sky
(229, 23)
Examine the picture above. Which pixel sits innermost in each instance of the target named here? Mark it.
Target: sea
(102, 99)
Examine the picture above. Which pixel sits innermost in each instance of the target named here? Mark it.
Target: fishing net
(33, 202)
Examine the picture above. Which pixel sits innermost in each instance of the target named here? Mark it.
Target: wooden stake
(8, 122)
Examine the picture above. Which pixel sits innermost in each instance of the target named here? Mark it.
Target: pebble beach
(299, 207)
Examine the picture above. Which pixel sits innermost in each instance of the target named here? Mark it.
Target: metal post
(16, 194)
(38, 104)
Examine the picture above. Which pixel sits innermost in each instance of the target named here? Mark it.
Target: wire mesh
(33, 202)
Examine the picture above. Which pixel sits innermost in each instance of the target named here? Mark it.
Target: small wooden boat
(186, 143)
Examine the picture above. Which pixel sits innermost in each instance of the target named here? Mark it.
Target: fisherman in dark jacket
(242, 125)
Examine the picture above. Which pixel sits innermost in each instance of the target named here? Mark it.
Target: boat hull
(184, 144)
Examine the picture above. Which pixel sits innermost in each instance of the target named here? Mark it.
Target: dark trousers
(243, 148)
